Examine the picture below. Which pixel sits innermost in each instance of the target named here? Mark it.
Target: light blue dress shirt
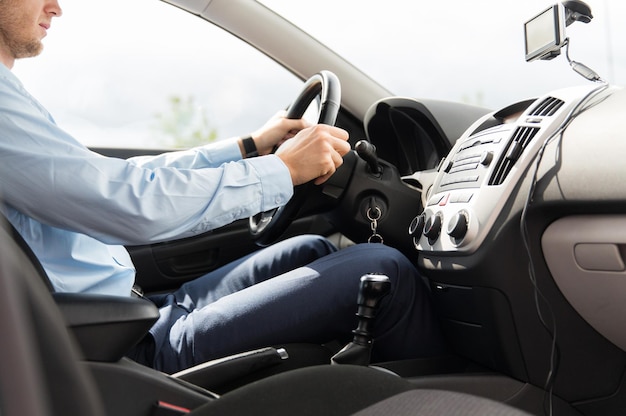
(78, 209)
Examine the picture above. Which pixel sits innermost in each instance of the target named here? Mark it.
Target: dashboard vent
(521, 138)
(548, 107)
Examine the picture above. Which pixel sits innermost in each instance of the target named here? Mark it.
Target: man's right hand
(314, 153)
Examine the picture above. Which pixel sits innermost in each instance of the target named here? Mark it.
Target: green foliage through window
(185, 125)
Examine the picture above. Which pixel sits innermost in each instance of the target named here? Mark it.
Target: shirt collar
(9, 75)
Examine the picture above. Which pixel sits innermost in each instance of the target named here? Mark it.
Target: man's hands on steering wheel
(312, 155)
(276, 131)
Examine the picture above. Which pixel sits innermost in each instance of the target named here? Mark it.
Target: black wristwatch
(249, 147)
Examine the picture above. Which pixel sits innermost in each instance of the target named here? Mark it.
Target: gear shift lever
(373, 288)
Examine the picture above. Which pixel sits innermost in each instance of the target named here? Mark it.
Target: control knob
(486, 158)
(417, 226)
(416, 229)
(432, 228)
(457, 228)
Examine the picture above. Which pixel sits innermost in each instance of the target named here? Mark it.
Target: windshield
(135, 76)
(459, 50)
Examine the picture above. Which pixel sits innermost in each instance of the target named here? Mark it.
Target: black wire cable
(550, 326)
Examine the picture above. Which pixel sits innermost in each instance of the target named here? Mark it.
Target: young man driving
(78, 209)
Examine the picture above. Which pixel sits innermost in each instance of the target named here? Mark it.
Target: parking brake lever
(367, 152)
(215, 374)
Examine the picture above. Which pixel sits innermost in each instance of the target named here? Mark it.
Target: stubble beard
(13, 38)
(23, 49)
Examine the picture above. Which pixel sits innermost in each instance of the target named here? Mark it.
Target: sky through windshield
(454, 50)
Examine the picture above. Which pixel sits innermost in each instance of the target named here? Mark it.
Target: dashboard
(486, 166)
(519, 231)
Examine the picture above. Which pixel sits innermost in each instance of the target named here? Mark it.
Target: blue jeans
(298, 290)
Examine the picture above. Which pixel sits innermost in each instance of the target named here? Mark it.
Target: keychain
(374, 215)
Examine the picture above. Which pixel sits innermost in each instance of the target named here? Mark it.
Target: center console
(484, 168)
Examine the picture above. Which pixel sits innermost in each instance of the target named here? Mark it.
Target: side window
(151, 76)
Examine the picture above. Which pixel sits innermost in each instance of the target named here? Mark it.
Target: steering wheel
(266, 227)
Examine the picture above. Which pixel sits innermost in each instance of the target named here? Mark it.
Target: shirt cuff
(224, 151)
(275, 180)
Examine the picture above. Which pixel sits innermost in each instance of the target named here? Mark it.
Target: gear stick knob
(373, 288)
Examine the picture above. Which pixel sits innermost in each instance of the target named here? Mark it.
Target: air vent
(548, 107)
(521, 138)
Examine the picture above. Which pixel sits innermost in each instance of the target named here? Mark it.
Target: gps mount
(545, 36)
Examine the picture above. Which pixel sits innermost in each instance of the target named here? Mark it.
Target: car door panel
(167, 265)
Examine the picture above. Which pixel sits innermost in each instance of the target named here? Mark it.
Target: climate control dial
(458, 226)
(432, 227)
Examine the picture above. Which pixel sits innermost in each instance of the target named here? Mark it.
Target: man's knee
(381, 254)
(315, 243)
